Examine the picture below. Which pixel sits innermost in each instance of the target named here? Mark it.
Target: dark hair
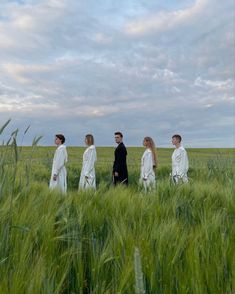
(90, 139)
(61, 137)
(118, 133)
(177, 137)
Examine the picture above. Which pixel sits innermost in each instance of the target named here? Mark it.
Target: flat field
(177, 239)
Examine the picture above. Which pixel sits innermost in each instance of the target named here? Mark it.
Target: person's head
(118, 137)
(59, 139)
(149, 143)
(176, 140)
(89, 140)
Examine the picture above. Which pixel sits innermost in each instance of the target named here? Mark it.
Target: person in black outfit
(120, 174)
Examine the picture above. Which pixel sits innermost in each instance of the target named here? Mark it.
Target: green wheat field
(177, 239)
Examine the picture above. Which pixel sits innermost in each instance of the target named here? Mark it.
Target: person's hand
(54, 177)
(116, 174)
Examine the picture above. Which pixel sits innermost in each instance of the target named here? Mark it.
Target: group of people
(120, 172)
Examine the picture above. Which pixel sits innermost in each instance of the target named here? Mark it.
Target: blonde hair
(90, 139)
(152, 147)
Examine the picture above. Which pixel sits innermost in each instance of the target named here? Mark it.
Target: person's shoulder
(62, 146)
(182, 149)
(61, 149)
(91, 147)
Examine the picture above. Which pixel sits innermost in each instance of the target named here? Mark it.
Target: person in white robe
(148, 165)
(59, 173)
(87, 177)
(179, 161)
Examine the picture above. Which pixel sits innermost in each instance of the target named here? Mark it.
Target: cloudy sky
(96, 66)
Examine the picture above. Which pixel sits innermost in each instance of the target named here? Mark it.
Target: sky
(145, 68)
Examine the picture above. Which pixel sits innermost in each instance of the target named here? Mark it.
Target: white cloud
(164, 21)
(23, 73)
(218, 85)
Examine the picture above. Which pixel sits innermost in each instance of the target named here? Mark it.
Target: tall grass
(177, 239)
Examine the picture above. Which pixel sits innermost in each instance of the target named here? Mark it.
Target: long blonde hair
(152, 147)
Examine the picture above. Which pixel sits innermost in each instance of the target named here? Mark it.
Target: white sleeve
(60, 160)
(90, 161)
(183, 163)
(147, 165)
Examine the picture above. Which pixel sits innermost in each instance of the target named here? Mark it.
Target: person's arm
(60, 160)
(91, 158)
(119, 159)
(183, 163)
(115, 162)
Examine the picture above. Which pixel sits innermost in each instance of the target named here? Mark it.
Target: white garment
(179, 165)
(58, 168)
(147, 174)
(88, 169)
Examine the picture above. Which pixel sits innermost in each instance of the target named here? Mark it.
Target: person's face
(86, 142)
(175, 141)
(57, 141)
(144, 143)
(118, 139)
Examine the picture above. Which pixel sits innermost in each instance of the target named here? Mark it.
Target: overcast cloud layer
(142, 67)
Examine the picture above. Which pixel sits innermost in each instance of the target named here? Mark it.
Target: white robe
(88, 169)
(147, 174)
(179, 165)
(58, 168)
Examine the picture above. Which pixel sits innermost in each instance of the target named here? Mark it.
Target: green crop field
(177, 239)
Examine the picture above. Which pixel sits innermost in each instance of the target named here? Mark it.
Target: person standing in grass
(87, 178)
(120, 173)
(148, 165)
(179, 161)
(59, 173)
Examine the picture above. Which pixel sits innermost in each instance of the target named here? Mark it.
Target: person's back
(120, 173)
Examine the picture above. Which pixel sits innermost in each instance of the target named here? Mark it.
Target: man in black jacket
(120, 174)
